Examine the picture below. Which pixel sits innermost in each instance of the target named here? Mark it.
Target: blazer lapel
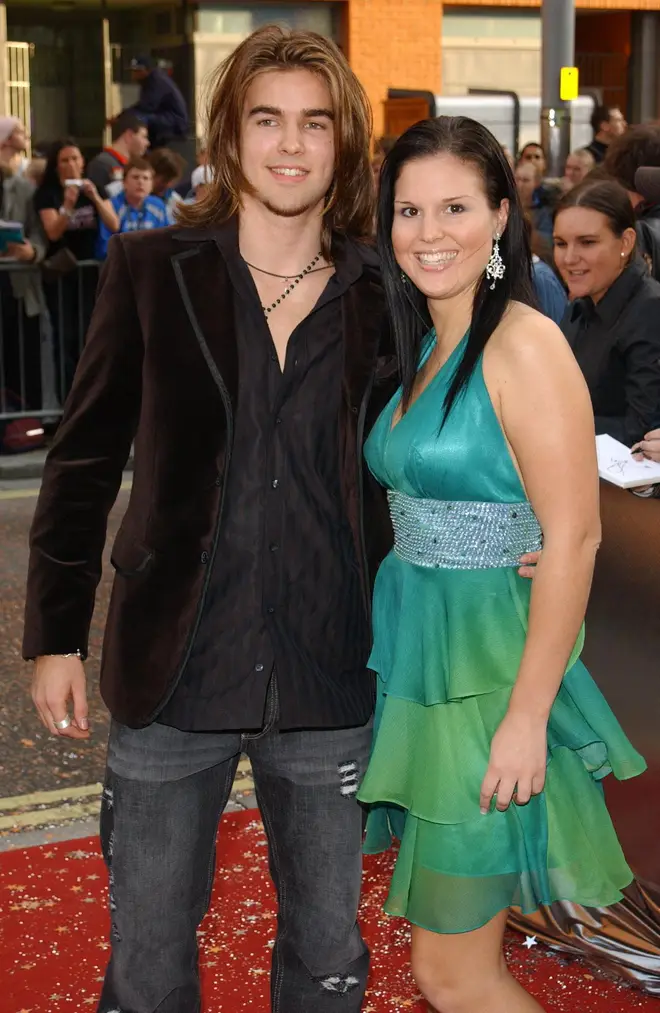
(204, 285)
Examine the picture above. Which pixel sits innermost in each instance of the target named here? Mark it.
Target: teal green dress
(448, 641)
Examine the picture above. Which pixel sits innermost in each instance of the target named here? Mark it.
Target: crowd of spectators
(594, 234)
(66, 212)
(595, 239)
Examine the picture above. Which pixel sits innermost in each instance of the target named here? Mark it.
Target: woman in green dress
(491, 737)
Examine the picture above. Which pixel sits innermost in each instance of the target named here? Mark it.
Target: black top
(285, 592)
(598, 150)
(617, 345)
(648, 235)
(107, 170)
(82, 228)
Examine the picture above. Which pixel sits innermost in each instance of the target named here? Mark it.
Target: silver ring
(64, 723)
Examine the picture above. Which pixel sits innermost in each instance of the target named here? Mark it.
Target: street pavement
(49, 787)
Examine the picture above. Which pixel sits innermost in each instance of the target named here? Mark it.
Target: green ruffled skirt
(447, 647)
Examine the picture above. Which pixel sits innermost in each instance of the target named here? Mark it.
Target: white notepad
(617, 465)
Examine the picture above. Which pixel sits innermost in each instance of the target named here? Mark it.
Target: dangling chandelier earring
(495, 267)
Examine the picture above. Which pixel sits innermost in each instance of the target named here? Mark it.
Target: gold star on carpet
(55, 998)
(214, 949)
(93, 877)
(49, 854)
(76, 889)
(89, 1001)
(61, 928)
(15, 886)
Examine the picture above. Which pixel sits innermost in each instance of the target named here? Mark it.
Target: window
(242, 18)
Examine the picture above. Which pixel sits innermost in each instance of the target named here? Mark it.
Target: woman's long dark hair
(51, 176)
(472, 143)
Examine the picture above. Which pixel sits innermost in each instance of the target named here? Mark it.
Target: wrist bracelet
(74, 654)
(65, 211)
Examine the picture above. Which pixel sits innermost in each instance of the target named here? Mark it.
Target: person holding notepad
(612, 322)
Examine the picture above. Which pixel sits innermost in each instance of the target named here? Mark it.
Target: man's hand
(57, 681)
(649, 447)
(528, 564)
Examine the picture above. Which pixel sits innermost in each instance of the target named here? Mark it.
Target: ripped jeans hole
(348, 773)
(339, 983)
(108, 797)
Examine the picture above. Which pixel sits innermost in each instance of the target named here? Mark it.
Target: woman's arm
(547, 417)
(56, 220)
(104, 208)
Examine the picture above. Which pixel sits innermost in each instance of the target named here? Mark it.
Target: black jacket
(160, 369)
(162, 107)
(648, 236)
(617, 345)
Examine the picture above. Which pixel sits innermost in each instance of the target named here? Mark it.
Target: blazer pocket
(129, 558)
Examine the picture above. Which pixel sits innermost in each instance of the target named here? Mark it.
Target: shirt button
(274, 547)
(270, 610)
(275, 483)
(278, 421)
(259, 667)
(218, 480)
(204, 558)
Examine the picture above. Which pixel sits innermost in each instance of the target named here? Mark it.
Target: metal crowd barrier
(43, 324)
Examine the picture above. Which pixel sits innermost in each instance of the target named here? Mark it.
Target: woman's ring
(64, 723)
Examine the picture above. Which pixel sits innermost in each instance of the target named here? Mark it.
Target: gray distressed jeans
(164, 795)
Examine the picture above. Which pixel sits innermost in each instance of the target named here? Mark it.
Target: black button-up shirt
(285, 592)
(617, 345)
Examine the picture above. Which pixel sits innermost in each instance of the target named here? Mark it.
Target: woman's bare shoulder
(524, 333)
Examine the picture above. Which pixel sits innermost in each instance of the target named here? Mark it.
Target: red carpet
(54, 927)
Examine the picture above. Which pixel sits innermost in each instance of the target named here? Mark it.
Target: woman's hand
(649, 447)
(70, 197)
(89, 189)
(518, 756)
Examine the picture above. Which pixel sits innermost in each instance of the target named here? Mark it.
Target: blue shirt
(549, 291)
(152, 214)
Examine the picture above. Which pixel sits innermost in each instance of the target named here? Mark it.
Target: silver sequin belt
(457, 535)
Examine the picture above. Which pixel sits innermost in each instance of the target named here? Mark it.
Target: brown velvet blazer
(160, 368)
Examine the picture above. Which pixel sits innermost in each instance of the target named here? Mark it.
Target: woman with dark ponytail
(491, 737)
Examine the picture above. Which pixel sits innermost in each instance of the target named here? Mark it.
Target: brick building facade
(77, 55)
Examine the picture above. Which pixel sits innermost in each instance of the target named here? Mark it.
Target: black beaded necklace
(291, 279)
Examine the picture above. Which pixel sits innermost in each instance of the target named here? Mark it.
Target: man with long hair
(238, 351)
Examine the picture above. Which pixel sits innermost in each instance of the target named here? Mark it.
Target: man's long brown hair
(349, 204)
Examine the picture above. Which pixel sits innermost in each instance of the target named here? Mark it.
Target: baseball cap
(142, 63)
(8, 125)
